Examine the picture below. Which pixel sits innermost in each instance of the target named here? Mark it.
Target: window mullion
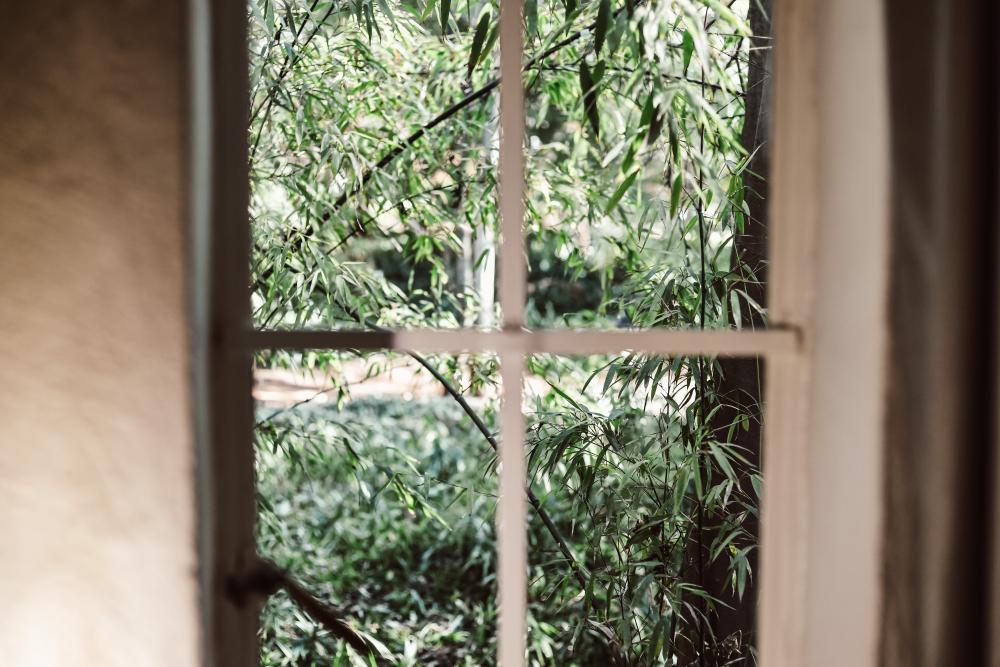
(512, 517)
(512, 539)
(664, 342)
(511, 178)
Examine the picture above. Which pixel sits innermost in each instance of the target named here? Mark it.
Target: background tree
(740, 382)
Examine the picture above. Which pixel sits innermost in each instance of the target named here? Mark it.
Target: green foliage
(385, 507)
(373, 140)
(381, 507)
(337, 184)
(629, 465)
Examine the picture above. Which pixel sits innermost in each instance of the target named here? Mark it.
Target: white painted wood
(666, 342)
(512, 269)
(512, 563)
(512, 518)
(824, 441)
(794, 191)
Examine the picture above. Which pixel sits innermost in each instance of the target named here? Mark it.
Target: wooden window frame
(225, 339)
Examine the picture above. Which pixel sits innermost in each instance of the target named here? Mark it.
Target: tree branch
(454, 109)
(265, 578)
(453, 392)
(488, 435)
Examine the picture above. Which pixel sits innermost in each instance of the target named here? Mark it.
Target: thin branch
(265, 579)
(488, 435)
(456, 395)
(481, 426)
(291, 408)
(647, 75)
(454, 109)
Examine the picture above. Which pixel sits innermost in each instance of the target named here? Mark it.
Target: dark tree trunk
(740, 387)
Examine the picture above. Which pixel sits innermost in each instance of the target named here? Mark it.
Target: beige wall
(97, 511)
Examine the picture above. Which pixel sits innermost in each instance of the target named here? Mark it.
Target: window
(238, 577)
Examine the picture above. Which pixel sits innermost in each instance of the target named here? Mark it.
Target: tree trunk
(740, 387)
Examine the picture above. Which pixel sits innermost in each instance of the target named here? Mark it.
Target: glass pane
(373, 163)
(648, 470)
(373, 143)
(377, 492)
(646, 152)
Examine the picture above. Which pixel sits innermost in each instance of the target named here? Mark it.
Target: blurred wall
(97, 508)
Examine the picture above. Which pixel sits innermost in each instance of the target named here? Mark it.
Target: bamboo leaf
(445, 14)
(727, 14)
(722, 459)
(688, 50)
(601, 25)
(587, 88)
(428, 10)
(490, 41)
(647, 110)
(620, 191)
(482, 29)
(531, 18)
(675, 194)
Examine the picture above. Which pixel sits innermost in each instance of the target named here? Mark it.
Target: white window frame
(806, 84)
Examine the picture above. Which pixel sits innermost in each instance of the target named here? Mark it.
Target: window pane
(644, 207)
(377, 492)
(648, 469)
(373, 142)
(363, 213)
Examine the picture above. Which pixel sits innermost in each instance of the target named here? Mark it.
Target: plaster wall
(97, 504)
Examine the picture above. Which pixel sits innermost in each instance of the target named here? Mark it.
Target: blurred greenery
(380, 505)
(383, 504)
(373, 163)
(373, 140)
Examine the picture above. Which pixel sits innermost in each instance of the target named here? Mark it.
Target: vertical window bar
(511, 204)
(512, 538)
(512, 585)
(228, 550)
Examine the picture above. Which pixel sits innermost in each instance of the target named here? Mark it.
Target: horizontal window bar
(721, 342)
